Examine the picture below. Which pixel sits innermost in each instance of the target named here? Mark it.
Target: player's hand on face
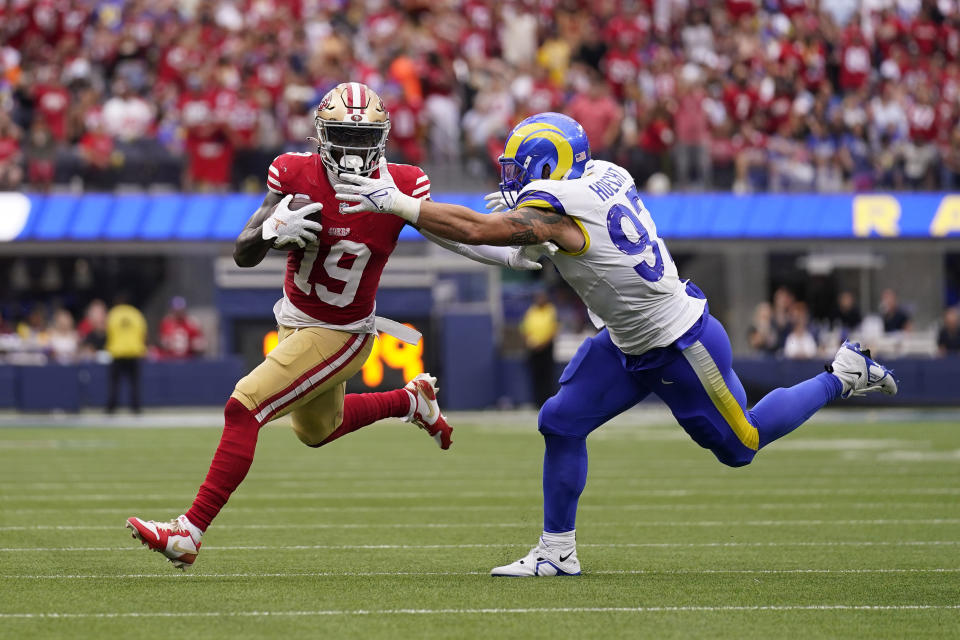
(526, 258)
(287, 226)
(370, 194)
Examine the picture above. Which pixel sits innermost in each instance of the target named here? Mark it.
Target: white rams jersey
(624, 273)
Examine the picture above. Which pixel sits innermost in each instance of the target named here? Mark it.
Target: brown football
(299, 202)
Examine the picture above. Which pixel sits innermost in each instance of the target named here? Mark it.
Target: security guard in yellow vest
(127, 345)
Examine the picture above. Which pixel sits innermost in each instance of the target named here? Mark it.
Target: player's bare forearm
(524, 226)
(250, 248)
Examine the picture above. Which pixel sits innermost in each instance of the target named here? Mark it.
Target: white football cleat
(172, 539)
(426, 413)
(542, 561)
(859, 373)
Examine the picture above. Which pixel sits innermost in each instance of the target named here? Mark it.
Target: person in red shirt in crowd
(208, 147)
(544, 95)
(406, 130)
(96, 153)
(691, 154)
(242, 121)
(855, 62)
(51, 100)
(740, 8)
(621, 64)
(180, 336)
(739, 95)
(925, 32)
(600, 115)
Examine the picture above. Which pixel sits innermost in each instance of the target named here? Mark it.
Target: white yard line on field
(523, 525)
(393, 495)
(379, 574)
(481, 611)
(612, 545)
(534, 504)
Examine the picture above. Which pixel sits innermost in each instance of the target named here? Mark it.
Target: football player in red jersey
(326, 316)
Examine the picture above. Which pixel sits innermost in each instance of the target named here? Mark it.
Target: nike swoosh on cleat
(176, 547)
(432, 412)
(852, 373)
(564, 558)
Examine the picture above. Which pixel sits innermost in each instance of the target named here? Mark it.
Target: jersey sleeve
(283, 171)
(411, 180)
(273, 176)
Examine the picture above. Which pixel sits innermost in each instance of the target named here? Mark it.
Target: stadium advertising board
(210, 217)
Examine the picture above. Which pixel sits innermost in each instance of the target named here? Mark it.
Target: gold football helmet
(352, 127)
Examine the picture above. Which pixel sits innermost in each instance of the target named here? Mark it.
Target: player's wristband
(407, 207)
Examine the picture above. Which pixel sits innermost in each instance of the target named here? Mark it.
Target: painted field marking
(379, 574)
(534, 504)
(612, 545)
(394, 495)
(480, 611)
(524, 525)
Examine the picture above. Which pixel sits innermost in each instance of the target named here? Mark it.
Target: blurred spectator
(948, 339)
(180, 336)
(33, 331)
(11, 173)
(691, 154)
(92, 330)
(539, 328)
(127, 116)
(795, 94)
(800, 342)
(762, 335)
(598, 112)
(63, 340)
(848, 312)
(783, 302)
(895, 318)
(40, 152)
(127, 345)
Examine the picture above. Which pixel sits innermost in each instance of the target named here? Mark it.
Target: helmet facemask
(348, 147)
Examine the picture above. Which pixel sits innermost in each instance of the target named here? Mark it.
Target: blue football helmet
(550, 142)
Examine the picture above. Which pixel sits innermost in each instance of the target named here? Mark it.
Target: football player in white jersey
(658, 335)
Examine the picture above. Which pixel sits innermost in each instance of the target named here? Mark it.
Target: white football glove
(379, 195)
(495, 202)
(286, 227)
(526, 258)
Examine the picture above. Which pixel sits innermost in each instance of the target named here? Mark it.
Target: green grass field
(840, 530)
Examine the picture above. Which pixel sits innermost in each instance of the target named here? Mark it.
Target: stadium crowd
(746, 94)
(44, 335)
(785, 327)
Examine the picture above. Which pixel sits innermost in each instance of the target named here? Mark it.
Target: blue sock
(564, 477)
(783, 410)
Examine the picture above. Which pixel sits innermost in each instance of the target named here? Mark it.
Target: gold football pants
(306, 376)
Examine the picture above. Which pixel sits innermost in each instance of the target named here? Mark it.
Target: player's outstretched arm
(520, 258)
(526, 226)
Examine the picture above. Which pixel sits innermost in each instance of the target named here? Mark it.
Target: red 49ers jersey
(334, 282)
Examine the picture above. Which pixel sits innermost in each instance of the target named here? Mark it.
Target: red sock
(362, 409)
(230, 463)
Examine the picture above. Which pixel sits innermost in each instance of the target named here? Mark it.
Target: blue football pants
(699, 386)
